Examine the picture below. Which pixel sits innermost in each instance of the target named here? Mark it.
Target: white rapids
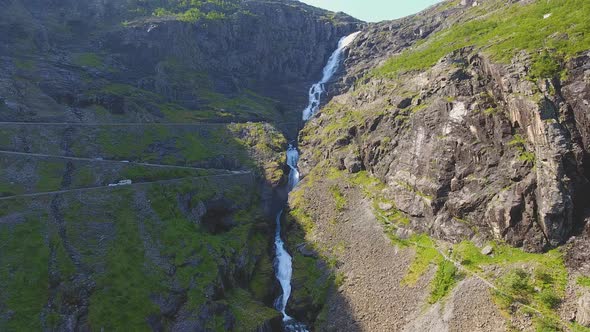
(283, 269)
(283, 260)
(292, 159)
(316, 90)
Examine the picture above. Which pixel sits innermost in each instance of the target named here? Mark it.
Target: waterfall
(283, 269)
(292, 159)
(316, 90)
(283, 260)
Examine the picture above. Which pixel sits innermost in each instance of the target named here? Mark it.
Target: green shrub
(543, 276)
(443, 282)
(518, 283)
(191, 15)
(547, 324)
(191, 11)
(520, 144)
(339, 279)
(339, 198)
(162, 12)
(549, 299)
(583, 281)
(545, 65)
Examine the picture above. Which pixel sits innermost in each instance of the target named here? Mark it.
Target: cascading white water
(316, 90)
(283, 261)
(283, 269)
(292, 159)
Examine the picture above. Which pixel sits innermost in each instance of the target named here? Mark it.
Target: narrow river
(283, 260)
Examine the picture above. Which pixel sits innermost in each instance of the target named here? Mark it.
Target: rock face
(259, 45)
(464, 148)
(77, 51)
(477, 148)
(438, 138)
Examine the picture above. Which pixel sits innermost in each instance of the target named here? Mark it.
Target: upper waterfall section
(316, 90)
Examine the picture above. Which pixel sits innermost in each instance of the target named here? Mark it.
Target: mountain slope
(139, 162)
(462, 126)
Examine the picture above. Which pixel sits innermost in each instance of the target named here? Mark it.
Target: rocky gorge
(444, 170)
(452, 134)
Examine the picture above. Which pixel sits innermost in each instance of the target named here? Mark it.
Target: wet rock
(305, 251)
(274, 324)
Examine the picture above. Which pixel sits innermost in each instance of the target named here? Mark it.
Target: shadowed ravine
(283, 260)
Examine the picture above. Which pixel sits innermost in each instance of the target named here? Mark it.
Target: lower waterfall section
(283, 269)
(283, 260)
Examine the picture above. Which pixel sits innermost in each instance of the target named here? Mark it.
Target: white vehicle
(121, 183)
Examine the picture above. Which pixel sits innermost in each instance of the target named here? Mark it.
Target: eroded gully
(283, 260)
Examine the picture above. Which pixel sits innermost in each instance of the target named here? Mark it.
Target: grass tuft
(444, 280)
(338, 197)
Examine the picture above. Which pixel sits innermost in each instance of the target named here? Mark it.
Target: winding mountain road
(225, 173)
(45, 193)
(42, 155)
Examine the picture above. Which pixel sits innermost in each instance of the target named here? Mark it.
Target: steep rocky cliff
(239, 65)
(445, 181)
(460, 127)
(471, 144)
(140, 157)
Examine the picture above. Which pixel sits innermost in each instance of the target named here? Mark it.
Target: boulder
(353, 164)
(405, 103)
(385, 206)
(583, 311)
(487, 250)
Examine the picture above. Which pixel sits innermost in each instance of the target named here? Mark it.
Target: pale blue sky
(374, 10)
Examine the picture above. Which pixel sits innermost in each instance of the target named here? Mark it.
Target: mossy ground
(504, 31)
(106, 231)
(88, 60)
(213, 106)
(24, 273)
(249, 313)
(266, 145)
